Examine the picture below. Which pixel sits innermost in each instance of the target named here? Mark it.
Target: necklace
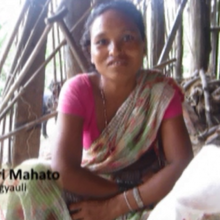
(104, 106)
(110, 147)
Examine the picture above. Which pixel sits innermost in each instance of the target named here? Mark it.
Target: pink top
(76, 98)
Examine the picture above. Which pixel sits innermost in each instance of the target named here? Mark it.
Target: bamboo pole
(208, 132)
(31, 59)
(64, 65)
(76, 9)
(190, 82)
(156, 30)
(79, 21)
(28, 125)
(67, 34)
(162, 65)
(72, 44)
(144, 12)
(82, 18)
(213, 29)
(60, 51)
(20, 57)
(2, 143)
(59, 54)
(29, 106)
(22, 89)
(9, 140)
(53, 46)
(213, 139)
(179, 50)
(218, 22)
(13, 34)
(25, 68)
(200, 36)
(172, 34)
(206, 98)
(214, 41)
(214, 82)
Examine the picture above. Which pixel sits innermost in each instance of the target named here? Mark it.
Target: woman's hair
(123, 6)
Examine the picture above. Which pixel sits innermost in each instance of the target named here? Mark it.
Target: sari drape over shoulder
(134, 128)
(130, 134)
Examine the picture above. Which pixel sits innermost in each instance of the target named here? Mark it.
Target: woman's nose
(115, 48)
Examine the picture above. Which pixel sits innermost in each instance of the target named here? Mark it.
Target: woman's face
(117, 48)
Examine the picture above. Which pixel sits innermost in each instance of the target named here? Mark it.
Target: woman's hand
(93, 210)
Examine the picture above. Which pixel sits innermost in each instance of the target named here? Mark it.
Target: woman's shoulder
(154, 74)
(77, 80)
(76, 86)
(81, 80)
(75, 95)
(156, 78)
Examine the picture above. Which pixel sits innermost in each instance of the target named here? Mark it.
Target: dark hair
(123, 6)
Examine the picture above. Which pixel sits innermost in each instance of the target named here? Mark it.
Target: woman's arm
(66, 159)
(178, 153)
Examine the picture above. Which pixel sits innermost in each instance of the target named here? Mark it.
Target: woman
(121, 142)
(111, 120)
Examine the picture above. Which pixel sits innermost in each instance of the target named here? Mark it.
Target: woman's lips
(117, 63)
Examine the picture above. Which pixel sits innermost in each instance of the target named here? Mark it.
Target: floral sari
(131, 133)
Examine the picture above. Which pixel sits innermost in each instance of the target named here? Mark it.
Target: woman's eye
(128, 37)
(101, 42)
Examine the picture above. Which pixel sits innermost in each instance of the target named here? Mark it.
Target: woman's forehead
(111, 20)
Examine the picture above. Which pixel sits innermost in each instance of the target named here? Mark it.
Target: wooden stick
(214, 40)
(65, 64)
(82, 18)
(28, 125)
(53, 46)
(195, 73)
(13, 34)
(25, 68)
(208, 132)
(33, 55)
(172, 34)
(190, 82)
(19, 57)
(59, 54)
(215, 29)
(67, 34)
(212, 138)
(2, 143)
(64, 28)
(216, 98)
(11, 103)
(216, 91)
(22, 90)
(162, 65)
(72, 44)
(60, 51)
(214, 82)
(9, 140)
(206, 98)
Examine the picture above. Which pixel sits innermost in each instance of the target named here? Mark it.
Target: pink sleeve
(70, 99)
(175, 107)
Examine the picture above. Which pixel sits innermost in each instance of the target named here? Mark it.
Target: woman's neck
(117, 88)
